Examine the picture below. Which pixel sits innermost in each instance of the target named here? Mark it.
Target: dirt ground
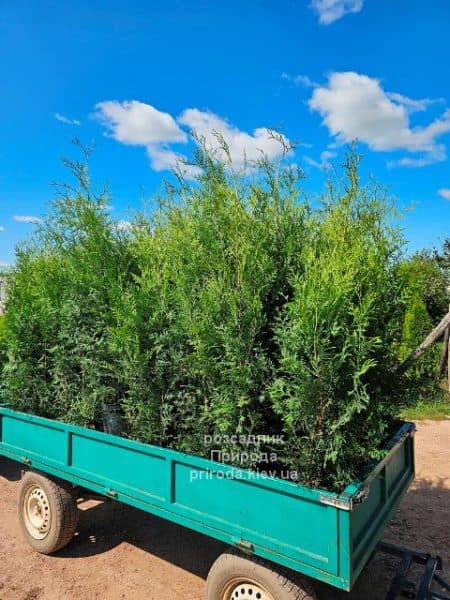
(122, 553)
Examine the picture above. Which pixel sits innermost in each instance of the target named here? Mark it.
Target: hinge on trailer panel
(244, 545)
(361, 495)
(346, 501)
(337, 502)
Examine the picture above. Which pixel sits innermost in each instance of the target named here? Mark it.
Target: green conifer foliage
(236, 308)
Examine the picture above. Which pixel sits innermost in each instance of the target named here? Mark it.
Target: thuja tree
(61, 301)
(333, 389)
(213, 263)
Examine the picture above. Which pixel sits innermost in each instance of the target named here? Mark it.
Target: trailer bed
(326, 536)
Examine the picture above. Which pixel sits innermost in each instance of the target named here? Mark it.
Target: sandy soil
(122, 553)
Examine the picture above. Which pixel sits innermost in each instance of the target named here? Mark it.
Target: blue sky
(135, 76)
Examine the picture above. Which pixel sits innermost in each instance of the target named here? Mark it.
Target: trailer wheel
(47, 512)
(233, 577)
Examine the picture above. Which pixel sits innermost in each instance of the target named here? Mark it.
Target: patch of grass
(436, 409)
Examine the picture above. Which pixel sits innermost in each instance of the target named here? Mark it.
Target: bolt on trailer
(283, 535)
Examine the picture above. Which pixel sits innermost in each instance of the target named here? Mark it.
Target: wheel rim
(36, 512)
(245, 589)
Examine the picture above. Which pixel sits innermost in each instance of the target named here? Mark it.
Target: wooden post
(447, 339)
(448, 349)
(444, 354)
(427, 343)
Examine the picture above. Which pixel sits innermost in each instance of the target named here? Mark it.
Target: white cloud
(311, 162)
(2, 228)
(163, 158)
(139, 124)
(413, 105)
(302, 80)
(242, 146)
(28, 219)
(135, 123)
(326, 155)
(437, 155)
(444, 193)
(332, 10)
(124, 225)
(355, 106)
(324, 162)
(63, 119)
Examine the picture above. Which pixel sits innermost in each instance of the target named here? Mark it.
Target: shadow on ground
(10, 470)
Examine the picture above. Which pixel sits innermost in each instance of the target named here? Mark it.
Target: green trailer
(284, 535)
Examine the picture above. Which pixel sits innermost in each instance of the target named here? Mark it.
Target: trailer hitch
(401, 586)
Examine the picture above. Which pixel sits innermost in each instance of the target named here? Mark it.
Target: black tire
(48, 512)
(233, 577)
